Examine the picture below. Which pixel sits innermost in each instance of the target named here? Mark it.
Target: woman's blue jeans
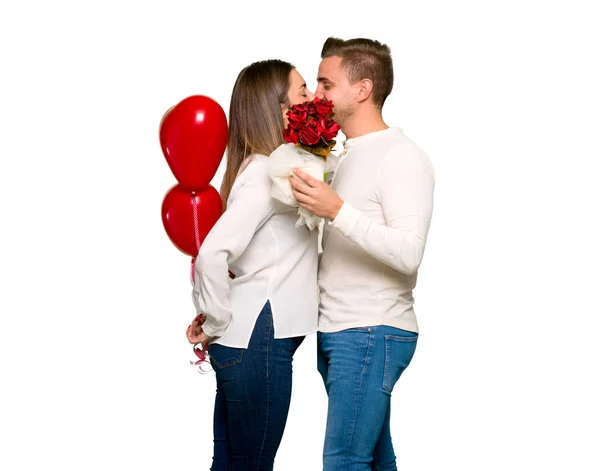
(254, 388)
(360, 368)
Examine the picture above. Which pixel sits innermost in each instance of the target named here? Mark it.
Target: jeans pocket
(399, 350)
(223, 357)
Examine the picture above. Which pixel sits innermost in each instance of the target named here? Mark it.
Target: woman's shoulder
(253, 167)
(253, 173)
(256, 161)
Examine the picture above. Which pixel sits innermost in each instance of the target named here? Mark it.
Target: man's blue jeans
(360, 368)
(254, 388)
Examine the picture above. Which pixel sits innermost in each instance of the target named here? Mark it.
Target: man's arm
(405, 191)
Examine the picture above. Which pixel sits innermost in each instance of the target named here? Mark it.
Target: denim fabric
(360, 368)
(254, 387)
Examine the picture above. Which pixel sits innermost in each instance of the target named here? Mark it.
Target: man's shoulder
(401, 148)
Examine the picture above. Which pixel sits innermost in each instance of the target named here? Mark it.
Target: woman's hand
(194, 332)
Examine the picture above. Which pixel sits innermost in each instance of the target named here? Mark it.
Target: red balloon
(193, 137)
(178, 216)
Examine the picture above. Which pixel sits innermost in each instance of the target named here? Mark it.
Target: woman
(255, 321)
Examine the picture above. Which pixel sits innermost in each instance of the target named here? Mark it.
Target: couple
(377, 213)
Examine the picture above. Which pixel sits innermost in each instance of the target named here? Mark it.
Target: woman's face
(298, 93)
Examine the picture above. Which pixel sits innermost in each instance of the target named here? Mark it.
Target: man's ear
(365, 87)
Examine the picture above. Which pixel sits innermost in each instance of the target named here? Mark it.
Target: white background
(95, 299)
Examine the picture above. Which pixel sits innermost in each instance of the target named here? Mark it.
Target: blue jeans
(254, 388)
(360, 368)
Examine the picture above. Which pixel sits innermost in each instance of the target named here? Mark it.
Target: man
(378, 211)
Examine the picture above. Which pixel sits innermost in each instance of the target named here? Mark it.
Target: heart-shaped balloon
(189, 216)
(193, 137)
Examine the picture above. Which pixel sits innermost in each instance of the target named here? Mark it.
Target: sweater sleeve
(405, 191)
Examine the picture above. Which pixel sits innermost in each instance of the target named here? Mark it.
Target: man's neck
(364, 122)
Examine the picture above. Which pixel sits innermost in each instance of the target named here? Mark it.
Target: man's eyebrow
(323, 79)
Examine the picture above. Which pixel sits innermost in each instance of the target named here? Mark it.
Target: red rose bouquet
(310, 138)
(312, 127)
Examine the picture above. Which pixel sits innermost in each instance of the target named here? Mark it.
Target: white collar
(366, 138)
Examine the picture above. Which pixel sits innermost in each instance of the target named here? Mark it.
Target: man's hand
(316, 196)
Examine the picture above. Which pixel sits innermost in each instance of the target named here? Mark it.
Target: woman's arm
(249, 208)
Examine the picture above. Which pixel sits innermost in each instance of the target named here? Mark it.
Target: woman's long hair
(255, 119)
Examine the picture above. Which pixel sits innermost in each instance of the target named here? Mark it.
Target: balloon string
(196, 230)
(197, 236)
(200, 352)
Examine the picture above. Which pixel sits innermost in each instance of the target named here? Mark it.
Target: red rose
(311, 108)
(324, 107)
(297, 116)
(310, 134)
(329, 128)
(301, 107)
(310, 126)
(290, 135)
(297, 108)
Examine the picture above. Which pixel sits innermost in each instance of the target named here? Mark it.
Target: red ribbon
(196, 235)
(199, 351)
(202, 358)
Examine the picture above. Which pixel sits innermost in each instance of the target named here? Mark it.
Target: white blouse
(272, 259)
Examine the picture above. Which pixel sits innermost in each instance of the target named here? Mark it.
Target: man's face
(333, 85)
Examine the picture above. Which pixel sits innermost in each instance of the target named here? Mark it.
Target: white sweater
(257, 239)
(373, 248)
